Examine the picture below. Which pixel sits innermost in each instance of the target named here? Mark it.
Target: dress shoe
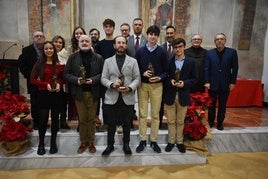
(64, 125)
(220, 127)
(155, 147)
(41, 150)
(169, 147)
(82, 148)
(92, 148)
(127, 149)
(108, 150)
(102, 128)
(53, 150)
(141, 146)
(181, 148)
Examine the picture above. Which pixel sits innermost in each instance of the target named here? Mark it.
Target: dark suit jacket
(72, 72)
(221, 74)
(131, 44)
(26, 62)
(165, 47)
(188, 75)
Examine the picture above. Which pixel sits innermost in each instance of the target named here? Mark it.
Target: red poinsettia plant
(194, 129)
(12, 108)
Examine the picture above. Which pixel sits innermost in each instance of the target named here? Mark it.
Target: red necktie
(169, 50)
(137, 43)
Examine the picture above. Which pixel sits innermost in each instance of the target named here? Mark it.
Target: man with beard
(121, 77)
(83, 72)
(95, 36)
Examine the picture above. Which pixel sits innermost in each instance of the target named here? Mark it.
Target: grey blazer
(110, 74)
(131, 44)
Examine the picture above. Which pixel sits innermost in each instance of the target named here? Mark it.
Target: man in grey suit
(136, 40)
(121, 77)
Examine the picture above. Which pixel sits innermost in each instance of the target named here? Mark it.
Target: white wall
(120, 11)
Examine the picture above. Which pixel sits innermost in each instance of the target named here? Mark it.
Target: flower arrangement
(12, 109)
(194, 129)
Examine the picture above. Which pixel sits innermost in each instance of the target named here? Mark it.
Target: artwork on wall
(157, 12)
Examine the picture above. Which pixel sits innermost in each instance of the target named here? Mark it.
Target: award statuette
(177, 75)
(54, 82)
(83, 73)
(151, 69)
(122, 78)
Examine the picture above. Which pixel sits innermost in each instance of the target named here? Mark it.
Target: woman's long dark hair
(41, 62)
(74, 40)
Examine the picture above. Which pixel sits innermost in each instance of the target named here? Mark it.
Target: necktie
(169, 50)
(137, 43)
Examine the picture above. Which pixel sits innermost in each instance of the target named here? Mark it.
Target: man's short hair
(153, 29)
(178, 41)
(108, 21)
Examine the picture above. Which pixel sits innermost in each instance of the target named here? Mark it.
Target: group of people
(111, 71)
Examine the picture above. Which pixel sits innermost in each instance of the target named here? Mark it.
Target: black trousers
(221, 97)
(118, 114)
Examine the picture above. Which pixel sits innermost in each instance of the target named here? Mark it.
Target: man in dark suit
(167, 46)
(26, 62)
(220, 72)
(136, 40)
(182, 75)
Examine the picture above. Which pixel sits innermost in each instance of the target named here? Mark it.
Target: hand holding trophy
(122, 79)
(54, 83)
(82, 74)
(151, 71)
(179, 83)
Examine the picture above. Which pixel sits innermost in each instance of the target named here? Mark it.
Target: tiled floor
(225, 165)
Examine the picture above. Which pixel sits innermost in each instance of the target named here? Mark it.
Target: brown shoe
(82, 148)
(92, 148)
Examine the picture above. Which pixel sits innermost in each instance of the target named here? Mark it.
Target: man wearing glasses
(26, 61)
(197, 53)
(220, 72)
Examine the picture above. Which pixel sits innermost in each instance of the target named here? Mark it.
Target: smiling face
(48, 50)
(58, 43)
(78, 33)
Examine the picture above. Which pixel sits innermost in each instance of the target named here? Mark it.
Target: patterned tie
(137, 43)
(169, 50)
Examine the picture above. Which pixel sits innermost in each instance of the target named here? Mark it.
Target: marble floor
(221, 165)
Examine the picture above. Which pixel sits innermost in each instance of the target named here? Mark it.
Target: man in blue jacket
(220, 72)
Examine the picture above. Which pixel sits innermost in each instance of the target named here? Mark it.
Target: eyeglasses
(38, 36)
(197, 39)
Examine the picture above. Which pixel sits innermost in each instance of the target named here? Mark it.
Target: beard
(84, 48)
(94, 40)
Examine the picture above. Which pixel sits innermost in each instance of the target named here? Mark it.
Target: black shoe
(53, 150)
(41, 150)
(220, 127)
(181, 148)
(64, 125)
(155, 146)
(127, 149)
(108, 150)
(169, 147)
(141, 146)
(211, 123)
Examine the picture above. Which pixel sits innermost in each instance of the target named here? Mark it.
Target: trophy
(122, 78)
(82, 73)
(54, 82)
(177, 75)
(151, 69)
